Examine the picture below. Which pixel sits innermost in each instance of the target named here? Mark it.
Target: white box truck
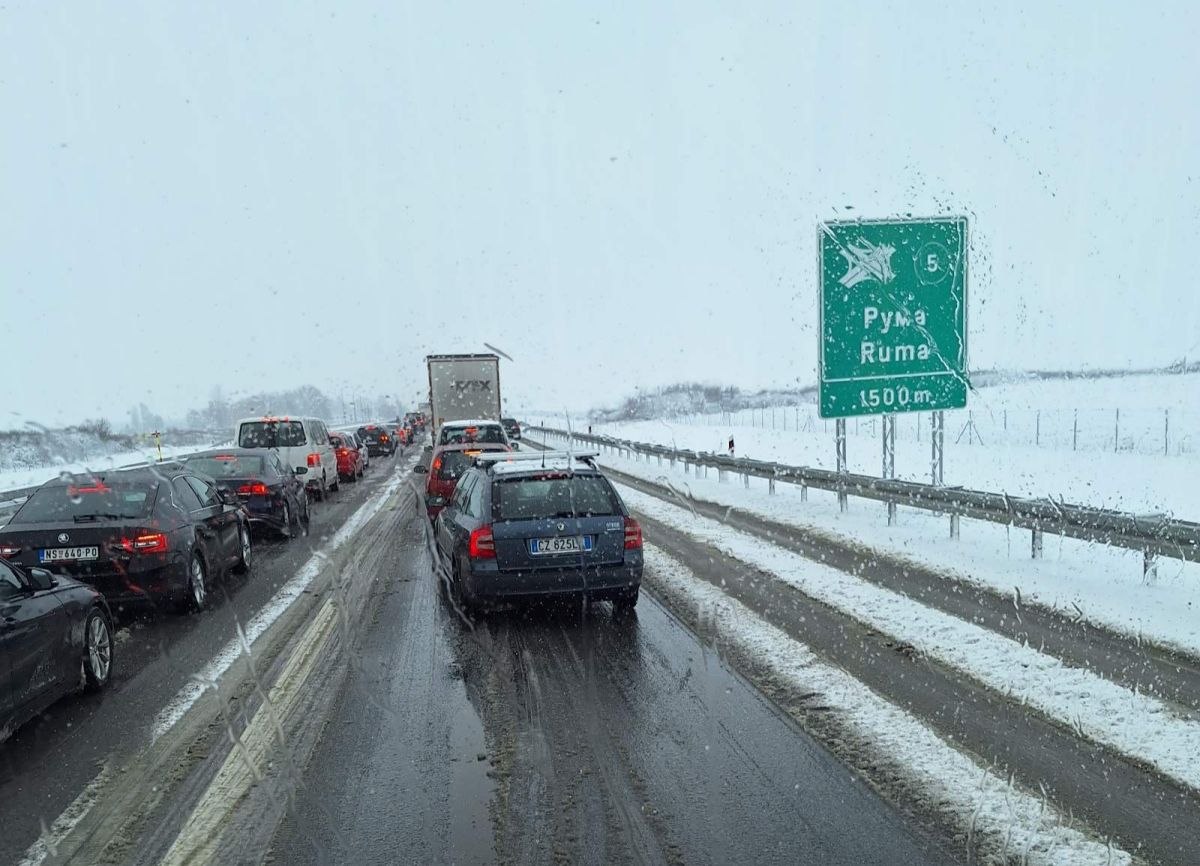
(463, 387)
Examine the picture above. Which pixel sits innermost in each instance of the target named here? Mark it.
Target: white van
(302, 443)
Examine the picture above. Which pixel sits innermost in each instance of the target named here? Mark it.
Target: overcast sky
(287, 193)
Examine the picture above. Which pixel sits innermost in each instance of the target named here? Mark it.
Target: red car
(447, 466)
(349, 457)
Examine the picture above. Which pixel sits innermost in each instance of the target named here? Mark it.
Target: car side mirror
(428, 447)
(421, 470)
(300, 470)
(227, 496)
(41, 579)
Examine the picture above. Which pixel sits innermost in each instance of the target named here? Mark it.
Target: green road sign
(893, 316)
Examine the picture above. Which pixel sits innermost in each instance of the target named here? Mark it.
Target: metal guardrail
(1153, 534)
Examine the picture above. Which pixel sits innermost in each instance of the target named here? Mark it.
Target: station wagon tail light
(482, 544)
(9, 550)
(255, 489)
(314, 459)
(152, 542)
(633, 534)
(384, 437)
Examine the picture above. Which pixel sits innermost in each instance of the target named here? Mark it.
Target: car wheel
(626, 601)
(337, 483)
(196, 597)
(353, 476)
(321, 492)
(461, 599)
(97, 651)
(287, 528)
(245, 554)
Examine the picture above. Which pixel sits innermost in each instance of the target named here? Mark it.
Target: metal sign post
(889, 460)
(937, 424)
(839, 438)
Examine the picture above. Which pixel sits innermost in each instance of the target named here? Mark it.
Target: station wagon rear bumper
(483, 582)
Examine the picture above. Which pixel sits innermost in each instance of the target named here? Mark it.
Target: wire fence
(1171, 432)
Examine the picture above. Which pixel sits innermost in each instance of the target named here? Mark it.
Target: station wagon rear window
(560, 495)
(271, 434)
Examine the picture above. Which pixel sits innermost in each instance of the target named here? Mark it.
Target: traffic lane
(1141, 811)
(625, 740)
(46, 763)
(586, 738)
(397, 769)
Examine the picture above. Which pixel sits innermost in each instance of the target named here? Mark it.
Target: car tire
(245, 551)
(352, 477)
(305, 518)
(336, 485)
(97, 651)
(627, 600)
(458, 595)
(287, 523)
(195, 596)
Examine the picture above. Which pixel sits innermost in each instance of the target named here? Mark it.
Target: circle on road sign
(933, 263)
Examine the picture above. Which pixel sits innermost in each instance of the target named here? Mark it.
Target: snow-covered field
(31, 476)
(1126, 480)
(1101, 584)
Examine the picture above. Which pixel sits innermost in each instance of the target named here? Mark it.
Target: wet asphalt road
(45, 764)
(563, 735)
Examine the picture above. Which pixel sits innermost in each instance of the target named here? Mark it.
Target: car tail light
(151, 542)
(314, 459)
(384, 437)
(255, 489)
(482, 544)
(437, 464)
(633, 534)
(9, 550)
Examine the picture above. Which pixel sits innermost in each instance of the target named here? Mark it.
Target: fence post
(889, 460)
(771, 483)
(1075, 431)
(1037, 544)
(954, 527)
(803, 492)
(839, 437)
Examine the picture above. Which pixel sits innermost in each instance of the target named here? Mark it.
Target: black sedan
(270, 490)
(56, 635)
(380, 442)
(160, 534)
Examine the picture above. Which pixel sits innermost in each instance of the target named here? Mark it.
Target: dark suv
(529, 525)
(512, 427)
(379, 441)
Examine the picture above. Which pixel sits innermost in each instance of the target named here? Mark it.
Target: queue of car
(79, 551)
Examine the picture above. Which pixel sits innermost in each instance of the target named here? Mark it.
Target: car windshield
(552, 495)
(87, 501)
(271, 434)
(228, 465)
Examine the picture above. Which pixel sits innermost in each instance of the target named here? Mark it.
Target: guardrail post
(771, 485)
(839, 438)
(1149, 567)
(889, 463)
(954, 527)
(803, 492)
(720, 475)
(660, 460)
(746, 477)
(1037, 544)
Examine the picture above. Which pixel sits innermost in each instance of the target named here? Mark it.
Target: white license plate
(564, 544)
(68, 554)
